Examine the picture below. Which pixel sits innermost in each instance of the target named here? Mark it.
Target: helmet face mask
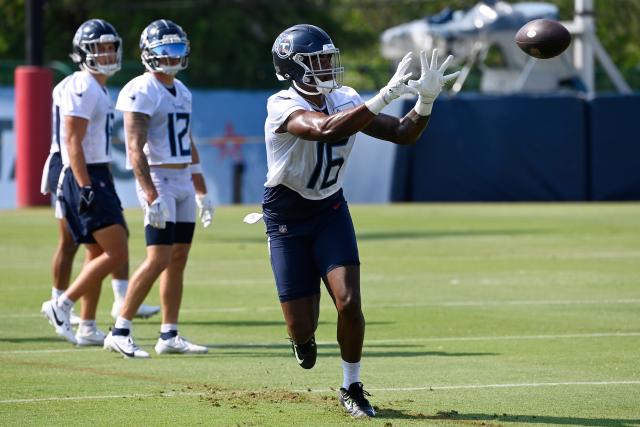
(165, 47)
(306, 55)
(97, 48)
(322, 69)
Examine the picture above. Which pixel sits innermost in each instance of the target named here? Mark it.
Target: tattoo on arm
(136, 127)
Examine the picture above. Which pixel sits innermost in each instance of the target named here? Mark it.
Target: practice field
(476, 315)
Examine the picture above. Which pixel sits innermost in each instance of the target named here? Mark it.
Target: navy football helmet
(161, 42)
(88, 53)
(305, 54)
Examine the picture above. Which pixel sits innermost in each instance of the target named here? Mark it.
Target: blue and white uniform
(307, 219)
(168, 142)
(80, 95)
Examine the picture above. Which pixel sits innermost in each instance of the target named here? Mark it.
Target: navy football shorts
(106, 209)
(303, 251)
(55, 167)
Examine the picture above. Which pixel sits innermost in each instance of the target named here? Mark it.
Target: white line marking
(481, 386)
(374, 341)
(275, 307)
(78, 398)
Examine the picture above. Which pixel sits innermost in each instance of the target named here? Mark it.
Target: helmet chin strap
(319, 92)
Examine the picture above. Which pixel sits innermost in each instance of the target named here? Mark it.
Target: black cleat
(355, 402)
(306, 353)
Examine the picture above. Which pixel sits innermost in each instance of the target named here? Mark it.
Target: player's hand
(396, 87)
(206, 209)
(432, 77)
(157, 213)
(86, 199)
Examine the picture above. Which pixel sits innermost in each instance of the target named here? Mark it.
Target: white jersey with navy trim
(312, 169)
(168, 138)
(80, 95)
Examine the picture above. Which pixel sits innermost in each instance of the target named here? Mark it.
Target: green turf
(476, 314)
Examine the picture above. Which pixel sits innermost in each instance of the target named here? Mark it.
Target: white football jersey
(80, 95)
(313, 169)
(168, 139)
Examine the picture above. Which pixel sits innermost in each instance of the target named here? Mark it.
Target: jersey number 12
(176, 140)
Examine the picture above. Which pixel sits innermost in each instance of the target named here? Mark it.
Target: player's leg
(159, 246)
(113, 241)
(343, 284)
(62, 261)
(172, 278)
(336, 254)
(158, 257)
(120, 284)
(171, 289)
(88, 333)
(298, 283)
(62, 264)
(120, 339)
(301, 316)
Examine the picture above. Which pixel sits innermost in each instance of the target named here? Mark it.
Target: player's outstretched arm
(314, 126)
(409, 129)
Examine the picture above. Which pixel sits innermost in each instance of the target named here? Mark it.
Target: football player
(66, 249)
(86, 196)
(170, 184)
(309, 131)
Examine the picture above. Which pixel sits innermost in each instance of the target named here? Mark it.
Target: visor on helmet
(173, 50)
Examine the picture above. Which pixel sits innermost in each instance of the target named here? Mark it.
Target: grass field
(476, 314)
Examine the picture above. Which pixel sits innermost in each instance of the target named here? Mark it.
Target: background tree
(231, 39)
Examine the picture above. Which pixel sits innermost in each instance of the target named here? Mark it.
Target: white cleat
(124, 345)
(59, 319)
(179, 345)
(87, 337)
(144, 311)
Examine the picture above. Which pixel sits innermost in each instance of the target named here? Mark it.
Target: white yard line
(105, 397)
(275, 307)
(378, 341)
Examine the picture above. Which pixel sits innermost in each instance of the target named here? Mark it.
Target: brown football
(543, 38)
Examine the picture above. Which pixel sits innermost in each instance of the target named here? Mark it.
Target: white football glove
(431, 81)
(157, 213)
(206, 209)
(396, 87)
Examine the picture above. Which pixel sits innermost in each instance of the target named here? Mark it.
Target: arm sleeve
(78, 101)
(279, 108)
(133, 98)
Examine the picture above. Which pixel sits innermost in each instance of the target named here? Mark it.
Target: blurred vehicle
(483, 37)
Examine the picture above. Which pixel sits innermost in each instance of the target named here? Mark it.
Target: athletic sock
(55, 293)
(87, 325)
(168, 330)
(121, 327)
(350, 373)
(64, 303)
(119, 289)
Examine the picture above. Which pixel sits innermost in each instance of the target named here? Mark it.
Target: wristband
(423, 109)
(376, 104)
(195, 168)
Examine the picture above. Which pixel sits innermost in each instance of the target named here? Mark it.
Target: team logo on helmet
(283, 46)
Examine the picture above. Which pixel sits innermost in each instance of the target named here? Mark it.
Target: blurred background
(510, 129)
